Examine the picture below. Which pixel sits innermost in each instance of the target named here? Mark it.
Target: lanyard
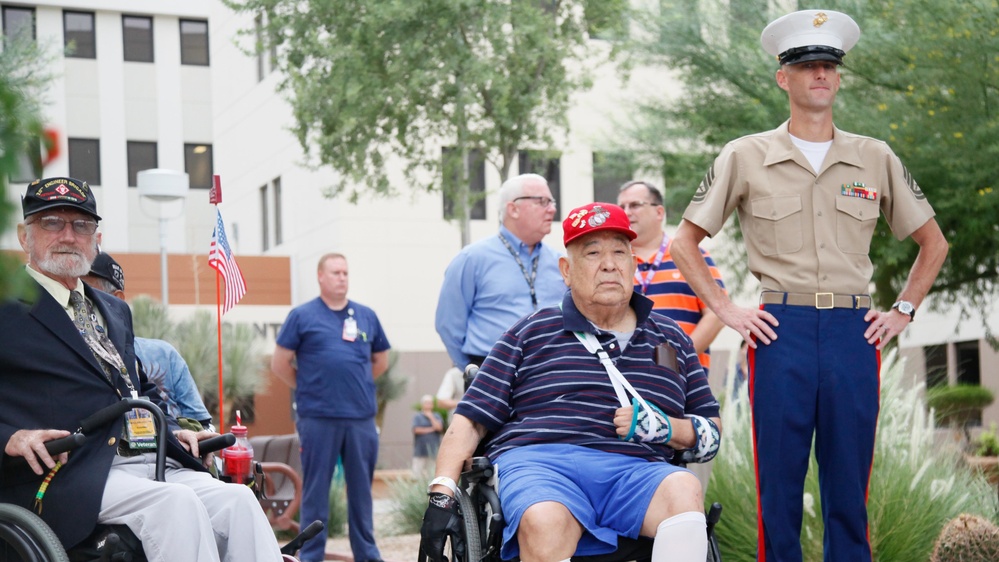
(527, 277)
(621, 385)
(101, 346)
(643, 281)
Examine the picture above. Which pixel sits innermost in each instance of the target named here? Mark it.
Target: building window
(476, 181)
(85, 160)
(137, 35)
(198, 165)
(79, 38)
(610, 171)
(18, 23)
(935, 361)
(545, 164)
(141, 156)
(969, 369)
(194, 42)
(265, 231)
(278, 234)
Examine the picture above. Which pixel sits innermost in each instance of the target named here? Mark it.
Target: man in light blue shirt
(496, 281)
(162, 363)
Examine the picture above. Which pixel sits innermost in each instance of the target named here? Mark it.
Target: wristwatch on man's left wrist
(905, 307)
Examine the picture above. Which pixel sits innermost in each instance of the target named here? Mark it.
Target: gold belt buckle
(819, 297)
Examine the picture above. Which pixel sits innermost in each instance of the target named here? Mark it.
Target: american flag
(221, 259)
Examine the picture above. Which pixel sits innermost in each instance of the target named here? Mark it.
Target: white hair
(514, 188)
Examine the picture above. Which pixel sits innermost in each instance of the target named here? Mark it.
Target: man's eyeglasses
(636, 205)
(83, 227)
(540, 200)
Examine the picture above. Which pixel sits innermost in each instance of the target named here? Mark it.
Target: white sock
(681, 538)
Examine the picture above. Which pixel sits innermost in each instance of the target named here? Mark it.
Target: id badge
(140, 429)
(349, 329)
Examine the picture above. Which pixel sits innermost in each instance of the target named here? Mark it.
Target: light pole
(163, 186)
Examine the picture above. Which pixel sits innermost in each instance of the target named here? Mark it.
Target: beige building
(142, 84)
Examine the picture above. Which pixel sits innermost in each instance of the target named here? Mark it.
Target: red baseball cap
(594, 218)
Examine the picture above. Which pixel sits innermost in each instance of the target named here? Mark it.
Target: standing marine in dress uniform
(808, 196)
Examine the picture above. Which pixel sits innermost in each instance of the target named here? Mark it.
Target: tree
(924, 77)
(21, 134)
(369, 81)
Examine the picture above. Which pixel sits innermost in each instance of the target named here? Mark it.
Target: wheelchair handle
(216, 443)
(470, 371)
(104, 416)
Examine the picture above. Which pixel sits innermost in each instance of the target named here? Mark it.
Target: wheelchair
(25, 537)
(482, 521)
(482, 518)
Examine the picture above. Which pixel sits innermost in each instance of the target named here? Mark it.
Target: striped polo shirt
(540, 384)
(672, 296)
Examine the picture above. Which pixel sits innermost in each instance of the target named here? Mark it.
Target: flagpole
(215, 197)
(218, 316)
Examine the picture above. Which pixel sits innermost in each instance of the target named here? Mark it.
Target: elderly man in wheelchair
(582, 408)
(69, 352)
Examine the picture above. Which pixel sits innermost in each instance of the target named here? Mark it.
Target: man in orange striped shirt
(657, 277)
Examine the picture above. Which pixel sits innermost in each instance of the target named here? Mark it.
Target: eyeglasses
(636, 205)
(83, 227)
(540, 200)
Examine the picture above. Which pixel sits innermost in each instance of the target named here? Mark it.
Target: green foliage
(916, 486)
(409, 496)
(243, 368)
(968, 538)
(390, 386)
(988, 443)
(337, 524)
(924, 77)
(150, 319)
(21, 85)
(369, 81)
(957, 405)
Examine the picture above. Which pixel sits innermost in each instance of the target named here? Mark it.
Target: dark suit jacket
(50, 379)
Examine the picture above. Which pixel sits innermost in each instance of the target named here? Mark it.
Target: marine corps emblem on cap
(50, 193)
(593, 218)
(810, 35)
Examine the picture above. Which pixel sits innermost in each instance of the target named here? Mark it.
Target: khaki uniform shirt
(804, 232)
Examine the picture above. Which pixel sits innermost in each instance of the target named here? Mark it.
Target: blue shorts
(607, 493)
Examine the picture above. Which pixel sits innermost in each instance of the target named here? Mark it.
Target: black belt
(817, 300)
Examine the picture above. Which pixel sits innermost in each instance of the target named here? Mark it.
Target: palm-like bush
(150, 319)
(916, 486)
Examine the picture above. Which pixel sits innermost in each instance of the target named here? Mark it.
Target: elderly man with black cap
(67, 353)
(162, 364)
(808, 197)
(584, 404)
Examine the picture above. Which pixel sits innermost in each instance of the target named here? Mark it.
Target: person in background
(330, 350)
(492, 283)
(162, 363)
(427, 429)
(808, 197)
(658, 278)
(451, 390)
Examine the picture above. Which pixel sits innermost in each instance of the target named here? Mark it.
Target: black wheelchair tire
(29, 536)
(470, 522)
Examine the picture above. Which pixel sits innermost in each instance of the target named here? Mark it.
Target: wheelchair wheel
(470, 521)
(25, 537)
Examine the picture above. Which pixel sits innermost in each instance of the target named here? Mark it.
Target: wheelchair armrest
(477, 469)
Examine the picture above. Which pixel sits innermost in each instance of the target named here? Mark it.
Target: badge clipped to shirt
(350, 327)
(140, 429)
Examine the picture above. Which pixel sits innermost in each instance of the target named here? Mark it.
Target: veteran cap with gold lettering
(810, 35)
(50, 193)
